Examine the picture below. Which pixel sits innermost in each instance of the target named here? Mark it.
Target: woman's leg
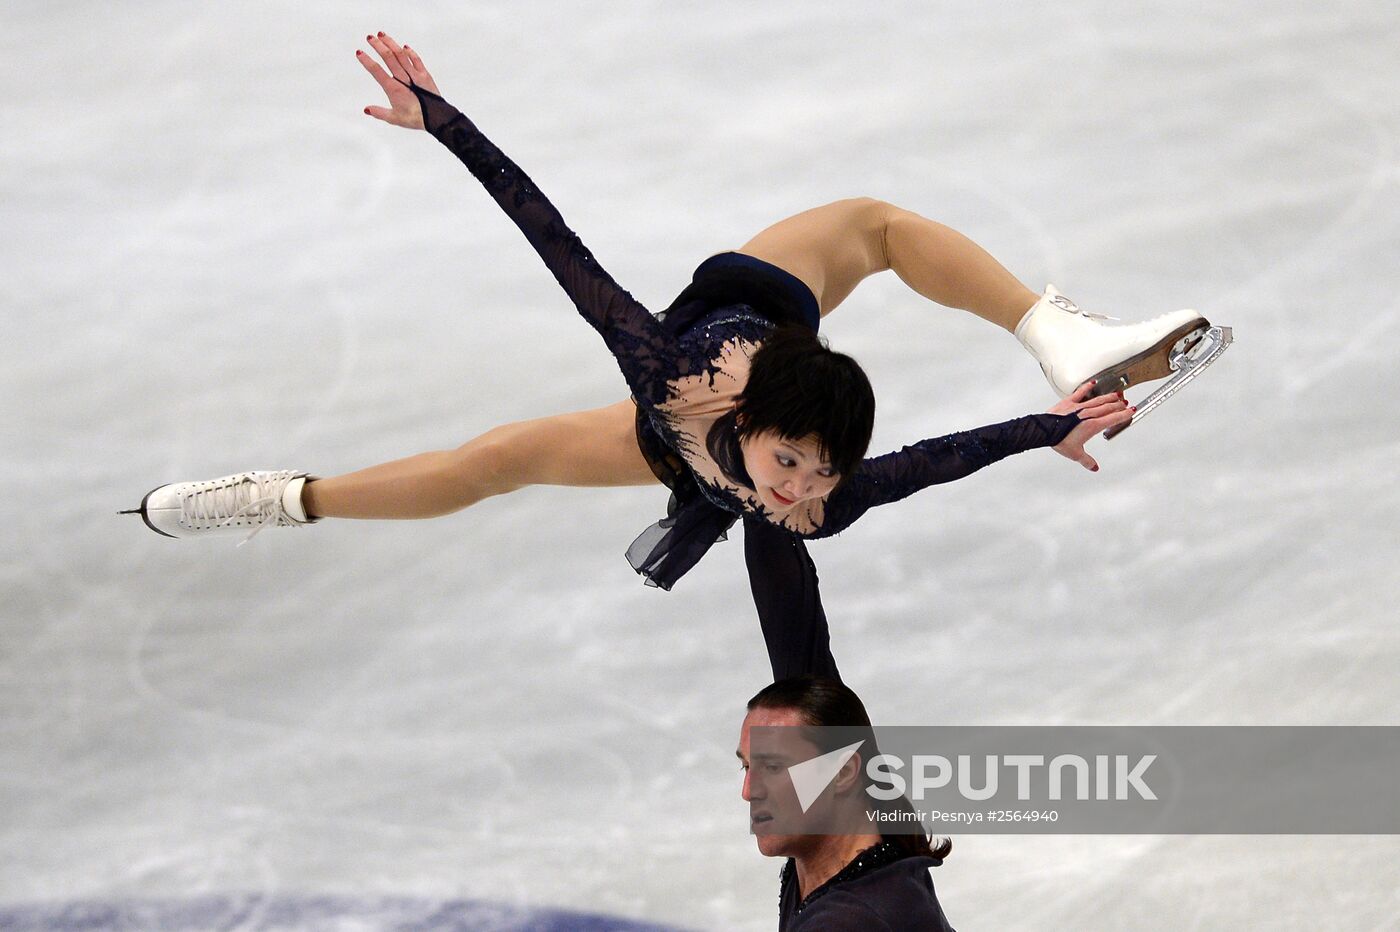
(832, 248)
(585, 448)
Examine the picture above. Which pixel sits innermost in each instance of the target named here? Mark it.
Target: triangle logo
(811, 777)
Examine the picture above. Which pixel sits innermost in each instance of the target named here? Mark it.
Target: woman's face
(786, 473)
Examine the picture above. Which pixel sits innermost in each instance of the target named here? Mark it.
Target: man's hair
(798, 387)
(822, 702)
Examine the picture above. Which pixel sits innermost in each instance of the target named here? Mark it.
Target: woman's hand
(405, 67)
(1095, 415)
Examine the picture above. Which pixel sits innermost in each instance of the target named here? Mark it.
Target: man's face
(767, 785)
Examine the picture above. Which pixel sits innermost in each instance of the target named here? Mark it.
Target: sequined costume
(882, 889)
(686, 368)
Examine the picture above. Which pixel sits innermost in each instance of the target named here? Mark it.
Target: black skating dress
(685, 368)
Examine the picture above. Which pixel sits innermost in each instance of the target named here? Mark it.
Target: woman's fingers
(1106, 404)
(390, 86)
(1101, 406)
(1083, 433)
(400, 56)
(391, 60)
(420, 71)
(1105, 422)
(1073, 446)
(403, 109)
(389, 42)
(404, 63)
(373, 68)
(1095, 415)
(1119, 419)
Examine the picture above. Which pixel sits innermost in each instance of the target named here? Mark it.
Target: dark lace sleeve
(644, 351)
(889, 478)
(784, 583)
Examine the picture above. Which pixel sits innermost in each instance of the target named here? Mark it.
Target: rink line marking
(1015, 209)
(1380, 174)
(370, 200)
(1368, 341)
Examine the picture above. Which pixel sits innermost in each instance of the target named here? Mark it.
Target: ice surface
(213, 261)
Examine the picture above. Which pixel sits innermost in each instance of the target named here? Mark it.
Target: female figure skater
(736, 405)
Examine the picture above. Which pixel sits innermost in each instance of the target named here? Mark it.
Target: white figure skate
(246, 501)
(1073, 346)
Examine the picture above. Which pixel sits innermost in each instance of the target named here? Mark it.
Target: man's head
(807, 708)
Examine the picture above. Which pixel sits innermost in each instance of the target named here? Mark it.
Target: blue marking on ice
(251, 912)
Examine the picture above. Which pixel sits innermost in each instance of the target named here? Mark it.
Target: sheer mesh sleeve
(784, 583)
(889, 478)
(644, 351)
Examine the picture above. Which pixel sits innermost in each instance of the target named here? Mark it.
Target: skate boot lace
(257, 495)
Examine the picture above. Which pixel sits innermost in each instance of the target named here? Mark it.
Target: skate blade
(1156, 362)
(1188, 363)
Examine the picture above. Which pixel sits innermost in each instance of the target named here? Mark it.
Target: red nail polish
(1093, 469)
(381, 35)
(366, 111)
(369, 38)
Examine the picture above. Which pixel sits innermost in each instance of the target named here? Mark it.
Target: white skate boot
(1073, 347)
(246, 501)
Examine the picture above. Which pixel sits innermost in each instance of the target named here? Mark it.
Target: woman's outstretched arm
(644, 351)
(894, 476)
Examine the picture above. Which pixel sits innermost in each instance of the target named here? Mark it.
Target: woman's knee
(494, 462)
(585, 448)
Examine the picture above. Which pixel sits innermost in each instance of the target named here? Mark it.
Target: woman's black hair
(826, 703)
(798, 387)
